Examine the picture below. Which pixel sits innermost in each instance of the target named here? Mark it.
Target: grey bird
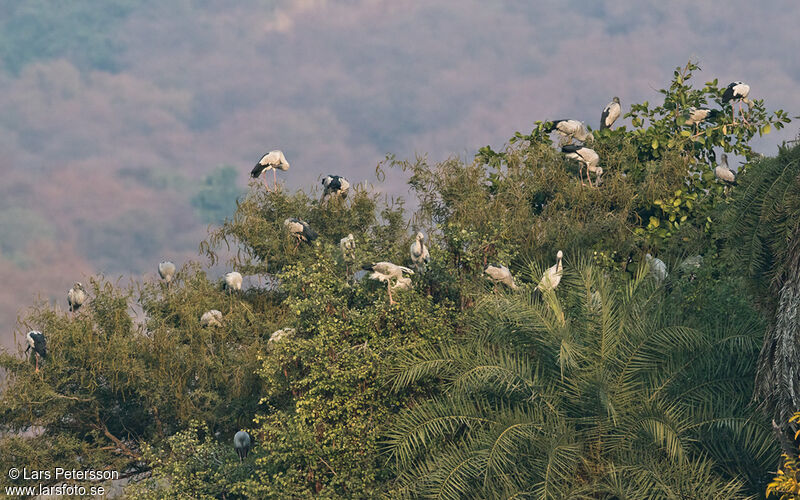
(386, 272)
(270, 161)
(552, 276)
(76, 296)
(348, 247)
(166, 270)
(723, 171)
(211, 318)
(334, 185)
(419, 253)
(569, 130)
(38, 343)
(241, 443)
(300, 230)
(500, 274)
(610, 113)
(657, 268)
(586, 157)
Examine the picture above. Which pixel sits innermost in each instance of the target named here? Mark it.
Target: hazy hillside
(115, 118)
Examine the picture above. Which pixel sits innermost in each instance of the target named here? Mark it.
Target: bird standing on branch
(76, 296)
(552, 276)
(300, 230)
(270, 161)
(166, 270)
(386, 272)
(38, 343)
(419, 253)
(724, 173)
(737, 91)
(500, 274)
(569, 130)
(241, 443)
(610, 113)
(334, 185)
(586, 157)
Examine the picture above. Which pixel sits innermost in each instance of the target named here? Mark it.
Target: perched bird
(419, 253)
(348, 246)
(610, 113)
(736, 91)
(166, 270)
(500, 275)
(571, 129)
(334, 185)
(694, 116)
(76, 296)
(386, 272)
(657, 267)
(270, 161)
(211, 318)
(278, 335)
(38, 343)
(552, 276)
(241, 443)
(233, 281)
(300, 230)
(723, 171)
(586, 157)
(403, 283)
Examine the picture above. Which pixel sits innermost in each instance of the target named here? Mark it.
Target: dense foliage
(618, 384)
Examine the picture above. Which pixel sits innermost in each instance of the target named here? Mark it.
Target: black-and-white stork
(610, 113)
(419, 253)
(271, 161)
(552, 276)
(241, 443)
(386, 272)
(38, 343)
(76, 296)
(586, 157)
(723, 171)
(736, 91)
(334, 185)
(569, 130)
(500, 274)
(166, 270)
(695, 116)
(300, 230)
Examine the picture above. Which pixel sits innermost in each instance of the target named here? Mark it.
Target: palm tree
(590, 392)
(764, 224)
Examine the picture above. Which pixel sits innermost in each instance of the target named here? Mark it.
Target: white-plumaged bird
(278, 335)
(211, 318)
(610, 113)
(38, 343)
(586, 157)
(241, 443)
(403, 283)
(386, 272)
(500, 274)
(657, 268)
(271, 161)
(166, 270)
(723, 171)
(571, 129)
(300, 230)
(233, 281)
(737, 91)
(334, 185)
(348, 247)
(552, 276)
(76, 296)
(419, 253)
(695, 116)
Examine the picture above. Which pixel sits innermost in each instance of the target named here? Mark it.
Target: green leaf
(766, 129)
(654, 144)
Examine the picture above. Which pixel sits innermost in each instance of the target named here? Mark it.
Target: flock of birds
(397, 277)
(570, 130)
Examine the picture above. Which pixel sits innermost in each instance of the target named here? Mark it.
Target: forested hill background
(126, 127)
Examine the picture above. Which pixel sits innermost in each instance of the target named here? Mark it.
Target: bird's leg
(36, 357)
(389, 288)
(580, 175)
(266, 183)
(275, 178)
(589, 177)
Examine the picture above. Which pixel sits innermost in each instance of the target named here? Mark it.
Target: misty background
(127, 127)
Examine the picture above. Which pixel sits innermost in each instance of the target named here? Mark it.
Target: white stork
(386, 272)
(500, 274)
(552, 276)
(657, 268)
(419, 253)
(38, 343)
(300, 230)
(211, 318)
(571, 129)
(270, 161)
(241, 443)
(166, 270)
(76, 296)
(334, 185)
(724, 173)
(586, 157)
(736, 91)
(610, 113)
